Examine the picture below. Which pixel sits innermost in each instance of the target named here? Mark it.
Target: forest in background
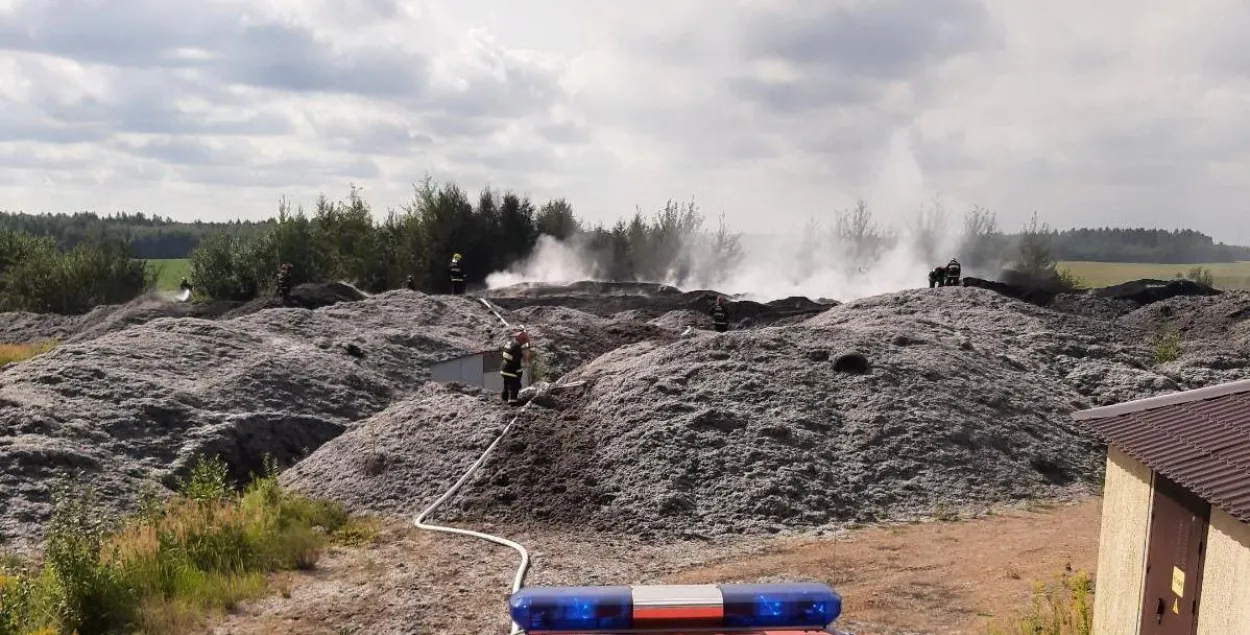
(68, 263)
(153, 237)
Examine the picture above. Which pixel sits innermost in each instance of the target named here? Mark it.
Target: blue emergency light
(721, 607)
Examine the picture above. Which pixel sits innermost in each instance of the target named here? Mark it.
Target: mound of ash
(305, 296)
(1208, 335)
(136, 404)
(1103, 302)
(942, 399)
(567, 338)
(1041, 295)
(648, 301)
(19, 327)
(1143, 292)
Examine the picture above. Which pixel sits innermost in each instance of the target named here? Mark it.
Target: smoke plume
(848, 254)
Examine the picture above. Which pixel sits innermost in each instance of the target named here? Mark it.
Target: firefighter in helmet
(516, 355)
(953, 271)
(283, 285)
(456, 272)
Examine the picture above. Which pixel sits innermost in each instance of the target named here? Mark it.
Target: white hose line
(420, 523)
(491, 308)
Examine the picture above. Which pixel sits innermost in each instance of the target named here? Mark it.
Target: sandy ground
(947, 578)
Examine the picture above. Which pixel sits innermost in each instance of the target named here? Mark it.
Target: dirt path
(940, 578)
(947, 578)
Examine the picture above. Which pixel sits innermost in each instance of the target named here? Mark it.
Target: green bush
(1068, 280)
(35, 276)
(1201, 275)
(92, 593)
(165, 569)
(1167, 346)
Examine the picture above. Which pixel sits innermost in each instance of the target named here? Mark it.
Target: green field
(169, 272)
(1227, 275)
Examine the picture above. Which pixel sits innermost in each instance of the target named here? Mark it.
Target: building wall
(466, 370)
(1224, 605)
(1128, 494)
(479, 369)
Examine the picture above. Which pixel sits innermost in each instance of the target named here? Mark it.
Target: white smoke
(551, 262)
(907, 238)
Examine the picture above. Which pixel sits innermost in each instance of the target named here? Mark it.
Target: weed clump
(1166, 347)
(173, 563)
(1061, 607)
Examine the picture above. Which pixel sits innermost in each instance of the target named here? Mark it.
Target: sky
(772, 112)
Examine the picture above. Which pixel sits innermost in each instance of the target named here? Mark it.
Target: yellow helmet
(455, 256)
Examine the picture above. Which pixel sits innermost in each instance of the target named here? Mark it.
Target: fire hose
(420, 523)
(523, 567)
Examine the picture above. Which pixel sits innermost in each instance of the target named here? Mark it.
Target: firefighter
(953, 271)
(936, 276)
(516, 355)
(720, 315)
(284, 282)
(411, 283)
(457, 275)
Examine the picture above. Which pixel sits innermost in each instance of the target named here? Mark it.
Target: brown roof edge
(1171, 399)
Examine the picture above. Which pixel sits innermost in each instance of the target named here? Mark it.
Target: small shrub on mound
(10, 353)
(172, 564)
(1167, 346)
(1061, 607)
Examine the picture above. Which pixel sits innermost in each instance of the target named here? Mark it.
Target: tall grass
(173, 564)
(1061, 607)
(10, 353)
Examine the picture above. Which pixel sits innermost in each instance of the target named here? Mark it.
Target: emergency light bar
(690, 608)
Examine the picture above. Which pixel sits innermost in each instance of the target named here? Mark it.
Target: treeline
(146, 237)
(340, 241)
(156, 237)
(1182, 246)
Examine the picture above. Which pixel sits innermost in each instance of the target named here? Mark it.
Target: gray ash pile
(1209, 336)
(138, 403)
(567, 338)
(20, 327)
(961, 395)
(965, 400)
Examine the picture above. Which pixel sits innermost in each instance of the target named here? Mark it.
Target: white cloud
(1116, 112)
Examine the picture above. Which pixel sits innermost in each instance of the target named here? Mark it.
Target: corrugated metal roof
(1198, 438)
(1165, 400)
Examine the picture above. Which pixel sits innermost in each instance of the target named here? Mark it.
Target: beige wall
(1127, 497)
(1224, 605)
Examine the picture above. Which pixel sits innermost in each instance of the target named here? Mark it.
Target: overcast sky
(1113, 112)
